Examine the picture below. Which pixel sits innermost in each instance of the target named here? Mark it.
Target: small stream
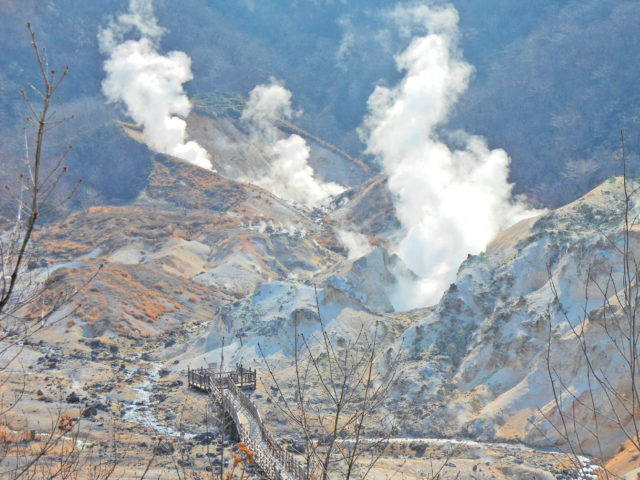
(140, 412)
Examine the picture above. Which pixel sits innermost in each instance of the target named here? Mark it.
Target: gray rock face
(259, 270)
(372, 279)
(475, 363)
(481, 354)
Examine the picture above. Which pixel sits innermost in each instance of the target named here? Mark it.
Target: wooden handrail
(226, 389)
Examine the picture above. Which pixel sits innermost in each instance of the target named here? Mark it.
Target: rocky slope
(198, 257)
(482, 352)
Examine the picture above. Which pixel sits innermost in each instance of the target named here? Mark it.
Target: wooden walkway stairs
(226, 388)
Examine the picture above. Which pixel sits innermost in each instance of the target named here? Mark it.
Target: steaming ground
(451, 191)
(149, 84)
(450, 201)
(290, 176)
(197, 257)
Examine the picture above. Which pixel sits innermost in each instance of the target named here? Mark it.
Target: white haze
(450, 201)
(290, 176)
(148, 83)
(357, 244)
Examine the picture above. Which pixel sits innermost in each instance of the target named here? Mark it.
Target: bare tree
(56, 453)
(26, 300)
(33, 193)
(336, 398)
(606, 339)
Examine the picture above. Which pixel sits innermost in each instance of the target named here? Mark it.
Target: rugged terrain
(157, 266)
(198, 257)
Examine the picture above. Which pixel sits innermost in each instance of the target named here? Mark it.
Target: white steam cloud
(450, 201)
(357, 244)
(290, 176)
(148, 83)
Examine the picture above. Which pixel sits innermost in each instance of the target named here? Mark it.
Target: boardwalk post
(227, 391)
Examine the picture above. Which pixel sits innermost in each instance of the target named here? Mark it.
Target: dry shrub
(10, 437)
(6, 436)
(65, 423)
(138, 301)
(246, 457)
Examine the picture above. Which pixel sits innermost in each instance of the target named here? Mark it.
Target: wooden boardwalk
(226, 388)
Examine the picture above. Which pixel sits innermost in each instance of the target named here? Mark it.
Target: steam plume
(149, 84)
(290, 176)
(450, 201)
(357, 244)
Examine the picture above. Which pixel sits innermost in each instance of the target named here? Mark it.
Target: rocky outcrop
(483, 348)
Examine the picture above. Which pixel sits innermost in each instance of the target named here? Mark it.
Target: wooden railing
(243, 378)
(226, 389)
